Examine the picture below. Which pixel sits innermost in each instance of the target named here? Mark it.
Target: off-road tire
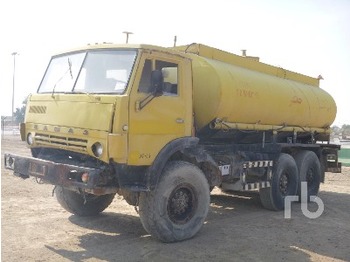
(284, 183)
(309, 168)
(176, 209)
(35, 152)
(73, 202)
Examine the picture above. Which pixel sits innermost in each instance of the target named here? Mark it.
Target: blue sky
(307, 36)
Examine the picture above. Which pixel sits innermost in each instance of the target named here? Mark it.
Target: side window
(169, 72)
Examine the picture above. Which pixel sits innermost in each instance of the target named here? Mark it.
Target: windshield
(102, 71)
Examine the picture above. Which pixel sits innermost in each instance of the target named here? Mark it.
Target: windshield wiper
(60, 79)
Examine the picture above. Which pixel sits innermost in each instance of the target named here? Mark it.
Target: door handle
(180, 120)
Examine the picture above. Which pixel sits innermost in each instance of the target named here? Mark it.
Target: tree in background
(341, 132)
(345, 131)
(335, 130)
(20, 112)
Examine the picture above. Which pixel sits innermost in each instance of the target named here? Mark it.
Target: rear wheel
(177, 208)
(309, 171)
(75, 203)
(284, 183)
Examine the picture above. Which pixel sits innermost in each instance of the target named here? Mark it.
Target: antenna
(127, 36)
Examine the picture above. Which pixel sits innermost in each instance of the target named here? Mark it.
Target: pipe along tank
(243, 93)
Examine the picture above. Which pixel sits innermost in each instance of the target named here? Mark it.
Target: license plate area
(38, 170)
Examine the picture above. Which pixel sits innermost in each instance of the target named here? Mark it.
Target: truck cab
(97, 102)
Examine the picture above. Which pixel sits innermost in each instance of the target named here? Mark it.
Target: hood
(86, 111)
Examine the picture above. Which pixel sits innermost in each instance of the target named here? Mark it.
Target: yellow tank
(248, 94)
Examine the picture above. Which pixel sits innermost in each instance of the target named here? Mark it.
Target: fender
(154, 172)
(188, 146)
(206, 163)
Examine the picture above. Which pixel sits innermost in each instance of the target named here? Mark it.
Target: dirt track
(36, 228)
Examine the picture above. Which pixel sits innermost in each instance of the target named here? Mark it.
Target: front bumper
(59, 174)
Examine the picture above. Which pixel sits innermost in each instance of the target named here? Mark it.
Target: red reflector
(85, 177)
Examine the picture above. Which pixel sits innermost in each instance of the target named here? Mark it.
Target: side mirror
(157, 80)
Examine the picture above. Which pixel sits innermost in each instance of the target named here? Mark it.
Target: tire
(309, 168)
(73, 202)
(284, 183)
(35, 152)
(177, 208)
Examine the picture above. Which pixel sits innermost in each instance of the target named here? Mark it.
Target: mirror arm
(141, 104)
(157, 84)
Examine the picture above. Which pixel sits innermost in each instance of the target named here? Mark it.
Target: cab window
(170, 76)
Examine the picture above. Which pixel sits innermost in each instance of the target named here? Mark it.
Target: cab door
(156, 121)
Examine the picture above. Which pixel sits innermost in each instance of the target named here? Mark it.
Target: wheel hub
(180, 201)
(310, 177)
(284, 184)
(182, 204)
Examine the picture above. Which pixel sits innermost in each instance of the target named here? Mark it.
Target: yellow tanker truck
(164, 126)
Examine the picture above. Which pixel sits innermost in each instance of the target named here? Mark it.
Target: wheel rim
(182, 204)
(310, 177)
(284, 184)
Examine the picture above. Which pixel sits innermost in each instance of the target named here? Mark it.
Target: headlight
(30, 139)
(97, 149)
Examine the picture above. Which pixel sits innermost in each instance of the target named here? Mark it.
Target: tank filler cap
(254, 58)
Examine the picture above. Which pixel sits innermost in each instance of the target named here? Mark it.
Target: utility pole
(13, 84)
(127, 35)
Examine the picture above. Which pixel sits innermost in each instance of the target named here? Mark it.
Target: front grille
(61, 141)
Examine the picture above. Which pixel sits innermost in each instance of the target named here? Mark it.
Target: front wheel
(75, 203)
(177, 208)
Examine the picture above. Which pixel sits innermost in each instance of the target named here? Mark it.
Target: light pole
(13, 84)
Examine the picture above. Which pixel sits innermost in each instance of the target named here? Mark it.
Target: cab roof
(117, 46)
